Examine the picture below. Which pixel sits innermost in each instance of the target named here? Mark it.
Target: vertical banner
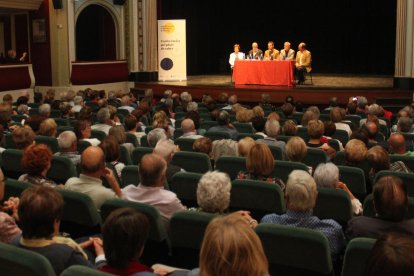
(172, 50)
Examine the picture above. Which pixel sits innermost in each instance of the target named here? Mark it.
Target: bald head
(372, 129)
(92, 161)
(397, 144)
(152, 170)
(187, 125)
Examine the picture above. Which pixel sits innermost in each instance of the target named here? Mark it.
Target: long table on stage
(265, 72)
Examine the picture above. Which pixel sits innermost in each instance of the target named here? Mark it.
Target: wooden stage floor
(323, 88)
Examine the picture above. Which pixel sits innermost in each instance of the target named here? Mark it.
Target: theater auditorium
(177, 137)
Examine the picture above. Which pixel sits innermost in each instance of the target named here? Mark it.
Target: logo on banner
(168, 27)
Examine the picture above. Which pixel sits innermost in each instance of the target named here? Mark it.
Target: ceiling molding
(21, 4)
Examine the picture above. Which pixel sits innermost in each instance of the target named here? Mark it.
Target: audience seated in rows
(272, 128)
(82, 129)
(112, 152)
(224, 125)
(189, 129)
(166, 149)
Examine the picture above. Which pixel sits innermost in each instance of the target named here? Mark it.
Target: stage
(318, 92)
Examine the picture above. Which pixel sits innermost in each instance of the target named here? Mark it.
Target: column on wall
(404, 50)
(142, 20)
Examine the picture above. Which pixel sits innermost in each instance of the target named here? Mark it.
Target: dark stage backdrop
(344, 36)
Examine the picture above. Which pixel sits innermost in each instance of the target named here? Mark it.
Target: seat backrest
(123, 112)
(98, 134)
(76, 270)
(185, 144)
(244, 127)
(138, 153)
(297, 116)
(277, 152)
(354, 178)
(282, 169)
(407, 178)
(61, 129)
(79, 208)
(333, 204)
(14, 188)
(356, 256)
(61, 169)
(157, 230)
(144, 141)
(62, 122)
(333, 143)
(130, 175)
(258, 197)
(82, 145)
(12, 168)
(339, 158)
(192, 161)
(51, 142)
(18, 261)
(231, 165)
(131, 138)
(217, 135)
(187, 233)
(187, 228)
(125, 156)
(8, 138)
(184, 185)
(314, 157)
(302, 132)
(354, 119)
(178, 132)
(208, 124)
(295, 248)
(342, 136)
(408, 160)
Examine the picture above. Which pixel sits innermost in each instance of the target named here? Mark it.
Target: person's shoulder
(270, 218)
(71, 181)
(331, 223)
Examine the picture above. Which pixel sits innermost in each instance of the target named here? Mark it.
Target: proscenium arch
(116, 18)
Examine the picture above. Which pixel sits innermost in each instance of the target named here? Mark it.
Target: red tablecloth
(266, 72)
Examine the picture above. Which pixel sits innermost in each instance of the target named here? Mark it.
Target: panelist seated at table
(236, 55)
(271, 53)
(13, 58)
(303, 62)
(287, 53)
(255, 52)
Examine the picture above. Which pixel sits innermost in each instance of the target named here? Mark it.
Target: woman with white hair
(213, 192)
(327, 176)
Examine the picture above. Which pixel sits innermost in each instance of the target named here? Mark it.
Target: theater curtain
(150, 35)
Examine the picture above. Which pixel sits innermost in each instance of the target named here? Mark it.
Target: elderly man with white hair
(68, 147)
(156, 135)
(44, 110)
(166, 149)
(301, 194)
(78, 104)
(287, 53)
(192, 106)
(326, 175)
(213, 192)
(272, 129)
(126, 103)
(189, 131)
(374, 110)
(104, 119)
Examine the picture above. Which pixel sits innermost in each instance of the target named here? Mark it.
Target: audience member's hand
(246, 215)
(12, 205)
(98, 244)
(342, 186)
(109, 174)
(230, 125)
(161, 271)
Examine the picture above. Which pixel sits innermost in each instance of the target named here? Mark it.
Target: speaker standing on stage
(236, 55)
(303, 62)
(287, 53)
(255, 52)
(271, 53)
